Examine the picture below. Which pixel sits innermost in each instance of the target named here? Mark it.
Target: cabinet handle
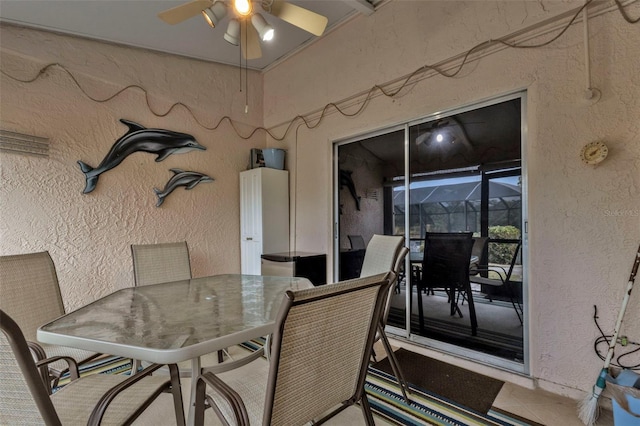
(249, 239)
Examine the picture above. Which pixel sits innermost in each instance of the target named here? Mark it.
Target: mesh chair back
(29, 290)
(321, 348)
(381, 254)
(23, 396)
(357, 242)
(515, 259)
(479, 248)
(160, 263)
(446, 259)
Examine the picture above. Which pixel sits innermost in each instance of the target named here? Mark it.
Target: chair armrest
(499, 270)
(38, 354)
(37, 351)
(224, 391)
(73, 365)
(109, 396)
(231, 365)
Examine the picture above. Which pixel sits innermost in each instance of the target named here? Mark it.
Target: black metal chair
(445, 265)
(498, 276)
(479, 253)
(357, 242)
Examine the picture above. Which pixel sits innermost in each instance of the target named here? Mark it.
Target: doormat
(426, 408)
(465, 387)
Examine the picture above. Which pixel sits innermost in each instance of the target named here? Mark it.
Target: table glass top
(179, 314)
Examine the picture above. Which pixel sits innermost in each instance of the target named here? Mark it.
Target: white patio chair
(386, 253)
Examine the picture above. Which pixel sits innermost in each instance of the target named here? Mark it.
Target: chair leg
(176, 390)
(453, 301)
(135, 366)
(366, 410)
(517, 309)
(464, 297)
(420, 311)
(513, 301)
(395, 366)
(472, 310)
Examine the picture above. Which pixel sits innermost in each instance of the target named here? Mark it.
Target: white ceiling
(135, 23)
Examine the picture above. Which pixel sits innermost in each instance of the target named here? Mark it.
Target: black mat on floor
(465, 387)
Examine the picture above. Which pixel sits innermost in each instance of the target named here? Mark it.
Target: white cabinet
(264, 215)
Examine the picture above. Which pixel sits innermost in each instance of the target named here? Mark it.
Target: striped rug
(105, 364)
(383, 394)
(426, 408)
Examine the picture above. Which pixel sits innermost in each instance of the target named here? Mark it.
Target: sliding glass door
(455, 172)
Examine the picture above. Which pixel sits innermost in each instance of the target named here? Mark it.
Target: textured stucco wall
(584, 222)
(88, 236)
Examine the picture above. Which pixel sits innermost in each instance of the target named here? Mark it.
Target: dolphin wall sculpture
(180, 178)
(139, 138)
(347, 180)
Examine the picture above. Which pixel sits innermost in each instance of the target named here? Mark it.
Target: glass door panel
(365, 172)
(504, 249)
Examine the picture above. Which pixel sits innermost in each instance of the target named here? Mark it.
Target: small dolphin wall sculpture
(346, 180)
(139, 138)
(180, 178)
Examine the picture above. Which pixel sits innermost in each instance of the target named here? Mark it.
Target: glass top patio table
(172, 322)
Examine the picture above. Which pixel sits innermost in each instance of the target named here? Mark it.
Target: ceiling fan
(247, 26)
(447, 131)
(434, 129)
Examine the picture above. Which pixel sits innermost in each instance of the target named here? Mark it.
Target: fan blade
(249, 41)
(184, 11)
(300, 17)
(423, 138)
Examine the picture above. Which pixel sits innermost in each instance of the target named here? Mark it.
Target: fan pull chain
(246, 67)
(246, 88)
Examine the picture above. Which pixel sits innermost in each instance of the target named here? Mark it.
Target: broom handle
(625, 300)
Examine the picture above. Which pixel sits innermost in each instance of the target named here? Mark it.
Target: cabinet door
(251, 252)
(250, 207)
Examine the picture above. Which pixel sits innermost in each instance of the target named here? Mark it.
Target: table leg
(196, 367)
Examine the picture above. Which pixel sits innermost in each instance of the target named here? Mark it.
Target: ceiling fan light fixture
(242, 7)
(214, 14)
(233, 32)
(265, 31)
